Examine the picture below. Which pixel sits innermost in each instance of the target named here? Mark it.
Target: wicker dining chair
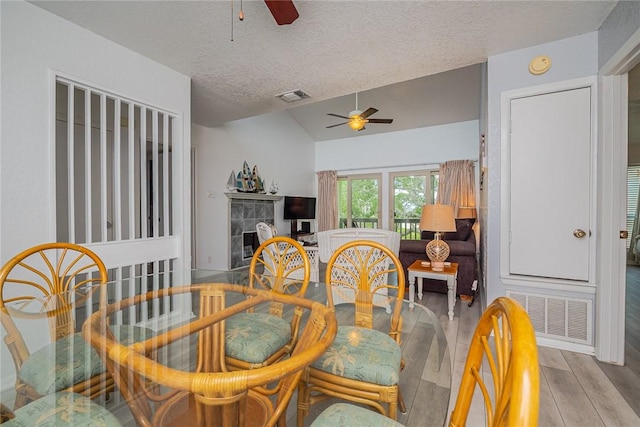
(47, 273)
(348, 415)
(60, 409)
(363, 364)
(279, 265)
(268, 231)
(505, 340)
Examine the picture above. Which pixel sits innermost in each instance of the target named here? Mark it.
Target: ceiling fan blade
(368, 112)
(387, 121)
(339, 124)
(362, 128)
(283, 11)
(338, 115)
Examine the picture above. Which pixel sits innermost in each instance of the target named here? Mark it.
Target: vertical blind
(633, 186)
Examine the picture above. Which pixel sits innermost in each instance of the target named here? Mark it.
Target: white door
(550, 146)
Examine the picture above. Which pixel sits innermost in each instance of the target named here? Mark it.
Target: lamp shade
(467, 212)
(439, 218)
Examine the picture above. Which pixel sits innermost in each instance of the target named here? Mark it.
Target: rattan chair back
(361, 272)
(277, 264)
(503, 349)
(48, 273)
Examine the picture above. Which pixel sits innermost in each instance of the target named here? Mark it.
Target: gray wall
(621, 23)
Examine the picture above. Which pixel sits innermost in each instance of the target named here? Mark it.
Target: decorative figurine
(273, 189)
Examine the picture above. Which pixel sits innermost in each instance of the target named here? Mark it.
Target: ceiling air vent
(293, 96)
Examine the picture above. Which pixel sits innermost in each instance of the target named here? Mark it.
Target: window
(359, 201)
(361, 204)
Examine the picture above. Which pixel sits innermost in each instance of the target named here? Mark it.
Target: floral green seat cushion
(70, 360)
(344, 414)
(362, 354)
(253, 337)
(63, 409)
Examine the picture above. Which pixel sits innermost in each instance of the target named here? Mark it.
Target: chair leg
(21, 398)
(303, 403)
(401, 405)
(5, 414)
(393, 410)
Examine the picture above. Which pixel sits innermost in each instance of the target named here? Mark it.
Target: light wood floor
(575, 389)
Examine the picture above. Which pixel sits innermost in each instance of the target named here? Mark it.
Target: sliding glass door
(409, 191)
(359, 201)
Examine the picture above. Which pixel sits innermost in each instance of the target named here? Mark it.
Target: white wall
(35, 42)
(429, 145)
(571, 58)
(276, 144)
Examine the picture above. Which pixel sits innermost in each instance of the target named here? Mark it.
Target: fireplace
(245, 211)
(249, 244)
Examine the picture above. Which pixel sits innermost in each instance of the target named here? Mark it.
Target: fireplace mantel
(253, 196)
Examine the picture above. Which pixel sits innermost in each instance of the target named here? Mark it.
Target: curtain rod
(400, 166)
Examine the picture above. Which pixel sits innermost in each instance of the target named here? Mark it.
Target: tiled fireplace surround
(245, 211)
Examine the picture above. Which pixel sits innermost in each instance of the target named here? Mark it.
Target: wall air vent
(293, 96)
(561, 318)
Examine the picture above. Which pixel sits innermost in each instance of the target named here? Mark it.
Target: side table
(419, 271)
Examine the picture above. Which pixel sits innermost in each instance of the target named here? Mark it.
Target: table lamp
(437, 218)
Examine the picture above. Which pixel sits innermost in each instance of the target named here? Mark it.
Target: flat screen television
(299, 207)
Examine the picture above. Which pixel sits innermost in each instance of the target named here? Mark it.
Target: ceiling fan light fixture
(357, 118)
(357, 123)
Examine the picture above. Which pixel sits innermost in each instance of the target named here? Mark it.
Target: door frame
(612, 190)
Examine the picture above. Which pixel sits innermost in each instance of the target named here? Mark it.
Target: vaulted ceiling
(392, 52)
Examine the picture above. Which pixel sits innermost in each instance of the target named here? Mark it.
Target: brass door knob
(579, 234)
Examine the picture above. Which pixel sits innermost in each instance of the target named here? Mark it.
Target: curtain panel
(457, 184)
(327, 200)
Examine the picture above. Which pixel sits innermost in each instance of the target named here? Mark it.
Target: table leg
(451, 294)
(420, 288)
(412, 290)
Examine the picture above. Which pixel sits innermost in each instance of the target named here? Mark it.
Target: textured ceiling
(335, 48)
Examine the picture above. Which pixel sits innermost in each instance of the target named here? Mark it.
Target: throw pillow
(463, 229)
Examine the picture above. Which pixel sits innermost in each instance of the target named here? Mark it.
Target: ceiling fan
(357, 119)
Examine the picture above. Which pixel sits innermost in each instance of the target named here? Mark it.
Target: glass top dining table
(159, 304)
